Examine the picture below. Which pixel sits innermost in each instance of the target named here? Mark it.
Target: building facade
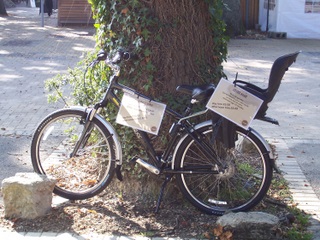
(296, 18)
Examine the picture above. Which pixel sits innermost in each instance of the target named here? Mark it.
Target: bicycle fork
(85, 134)
(86, 131)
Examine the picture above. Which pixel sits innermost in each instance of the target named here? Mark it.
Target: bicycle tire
(86, 174)
(242, 186)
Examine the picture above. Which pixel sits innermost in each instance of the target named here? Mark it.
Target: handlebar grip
(120, 56)
(116, 59)
(101, 55)
(126, 56)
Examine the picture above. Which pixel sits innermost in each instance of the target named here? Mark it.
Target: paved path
(296, 106)
(30, 54)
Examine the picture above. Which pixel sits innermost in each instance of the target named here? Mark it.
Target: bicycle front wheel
(241, 186)
(91, 168)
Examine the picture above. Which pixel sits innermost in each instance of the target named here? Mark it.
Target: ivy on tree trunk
(177, 41)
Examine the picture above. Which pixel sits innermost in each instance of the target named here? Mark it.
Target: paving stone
(33, 234)
(67, 236)
(49, 234)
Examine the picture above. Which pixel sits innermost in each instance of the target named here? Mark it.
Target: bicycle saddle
(199, 93)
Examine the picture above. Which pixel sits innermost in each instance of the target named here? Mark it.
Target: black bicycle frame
(182, 125)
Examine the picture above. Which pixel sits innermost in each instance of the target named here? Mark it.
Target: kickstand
(164, 184)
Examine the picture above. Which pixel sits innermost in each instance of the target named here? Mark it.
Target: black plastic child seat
(227, 133)
(279, 67)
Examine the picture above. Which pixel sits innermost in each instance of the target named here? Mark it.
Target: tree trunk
(177, 41)
(187, 47)
(3, 8)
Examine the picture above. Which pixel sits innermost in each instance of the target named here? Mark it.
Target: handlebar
(120, 55)
(112, 62)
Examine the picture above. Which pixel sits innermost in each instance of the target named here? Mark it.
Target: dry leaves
(219, 233)
(125, 11)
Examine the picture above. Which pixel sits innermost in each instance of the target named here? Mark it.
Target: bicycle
(218, 165)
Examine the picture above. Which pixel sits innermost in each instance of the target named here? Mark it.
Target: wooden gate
(250, 13)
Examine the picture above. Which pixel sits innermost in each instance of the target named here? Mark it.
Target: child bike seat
(279, 67)
(199, 93)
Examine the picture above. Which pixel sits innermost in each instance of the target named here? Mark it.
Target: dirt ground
(115, 213)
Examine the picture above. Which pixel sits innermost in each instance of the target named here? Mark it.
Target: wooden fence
(250, 13)
(74, 12)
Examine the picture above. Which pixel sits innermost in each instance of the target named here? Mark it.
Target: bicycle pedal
(133, 162)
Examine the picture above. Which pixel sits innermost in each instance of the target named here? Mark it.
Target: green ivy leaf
(145, 33)
(147, 52)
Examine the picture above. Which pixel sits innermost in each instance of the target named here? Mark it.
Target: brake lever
(114, 66)
(93, 63)
(101, 55)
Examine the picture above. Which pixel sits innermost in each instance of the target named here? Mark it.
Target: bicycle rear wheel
(244, 182)
(90, 170)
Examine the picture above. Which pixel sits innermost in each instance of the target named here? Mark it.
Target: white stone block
(27, 195)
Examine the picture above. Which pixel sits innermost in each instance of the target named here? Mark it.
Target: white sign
(234, 103)
(141, 113)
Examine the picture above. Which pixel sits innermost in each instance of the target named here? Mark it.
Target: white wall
(262, 15)
(296, 22)
(289, 16)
